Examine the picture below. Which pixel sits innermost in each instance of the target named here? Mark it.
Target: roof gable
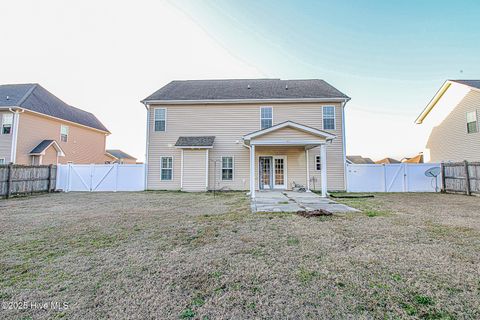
(290, 124)
(454, 90)
(245, 89)
(35, 98)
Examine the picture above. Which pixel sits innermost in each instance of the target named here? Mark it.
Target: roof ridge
(29, 92)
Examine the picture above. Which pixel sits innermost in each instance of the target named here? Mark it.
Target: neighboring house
(359, 160)
(417, 159)
(39, 128)
(245, 135)
(453, 115)
(387, 161)
(118, 156)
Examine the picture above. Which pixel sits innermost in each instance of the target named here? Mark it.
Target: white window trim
(476, 121)
(68, 132)
(334, 117)
(3, 123)
(265, 118)
(316, 167)
(155, 119)
(233, 168)
(161, 168)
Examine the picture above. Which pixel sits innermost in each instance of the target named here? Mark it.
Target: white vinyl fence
(402, 177)
(100, 177)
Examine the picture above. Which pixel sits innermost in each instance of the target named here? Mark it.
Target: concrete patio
(290, 201)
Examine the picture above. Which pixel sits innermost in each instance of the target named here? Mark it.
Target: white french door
(279, 164)
(272, 172)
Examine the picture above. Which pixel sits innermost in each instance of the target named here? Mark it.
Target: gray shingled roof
(35, 98)
(471, 83)
(42, 146)
(119, 154)
(246, 89)
(360, 160)
(203, 141)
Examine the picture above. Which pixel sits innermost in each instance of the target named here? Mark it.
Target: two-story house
(39, 128)
(252, 135)
(453, 115)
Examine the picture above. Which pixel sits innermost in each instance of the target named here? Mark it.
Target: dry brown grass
(176, 255)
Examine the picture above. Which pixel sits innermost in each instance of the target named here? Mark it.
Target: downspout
(249, 168)
(147, 144)
(16, 119)
(345, 182)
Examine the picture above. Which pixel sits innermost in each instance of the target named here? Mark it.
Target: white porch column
(308, 169)
(252, 171)
(323, 159)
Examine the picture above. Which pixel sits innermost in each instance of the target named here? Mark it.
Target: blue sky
(389, 56)
(105, 56)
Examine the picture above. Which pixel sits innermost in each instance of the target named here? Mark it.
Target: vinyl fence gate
(101, 177)
(402, 177)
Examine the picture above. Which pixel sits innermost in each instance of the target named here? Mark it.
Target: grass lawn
(172, 255)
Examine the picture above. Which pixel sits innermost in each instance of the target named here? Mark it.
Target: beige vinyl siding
(228, 123)
(450, 141)
(287, 133)
(83, 146)
(5, 141)
(50, 156)
(194, 170)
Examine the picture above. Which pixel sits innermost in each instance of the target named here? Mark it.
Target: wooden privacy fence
(17, 179)
(461, 177)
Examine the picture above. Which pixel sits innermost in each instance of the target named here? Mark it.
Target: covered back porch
(279, 157)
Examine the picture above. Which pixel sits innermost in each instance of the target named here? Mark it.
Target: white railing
(402, 177)
(100, 177)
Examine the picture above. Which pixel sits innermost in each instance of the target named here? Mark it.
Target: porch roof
(309, 137)
(40, 149)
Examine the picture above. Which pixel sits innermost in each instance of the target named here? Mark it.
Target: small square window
(2, 161)
(63, 133)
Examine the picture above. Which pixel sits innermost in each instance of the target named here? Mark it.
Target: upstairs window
(328, 118)
(160, 119)
(318, 163)
(63, 133)
(7, 121)
(166, 168)
(472, 122)
(2, 161)
(266, 117)
(227, 168)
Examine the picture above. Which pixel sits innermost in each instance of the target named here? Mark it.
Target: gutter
(242, 101)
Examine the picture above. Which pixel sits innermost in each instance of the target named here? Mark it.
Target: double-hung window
(227, 168)
(7, 122)
(472, 122)
(63, 133)
(266, 117)
(318, 163)
(160, 119)
(166, 168)
(328, 115)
